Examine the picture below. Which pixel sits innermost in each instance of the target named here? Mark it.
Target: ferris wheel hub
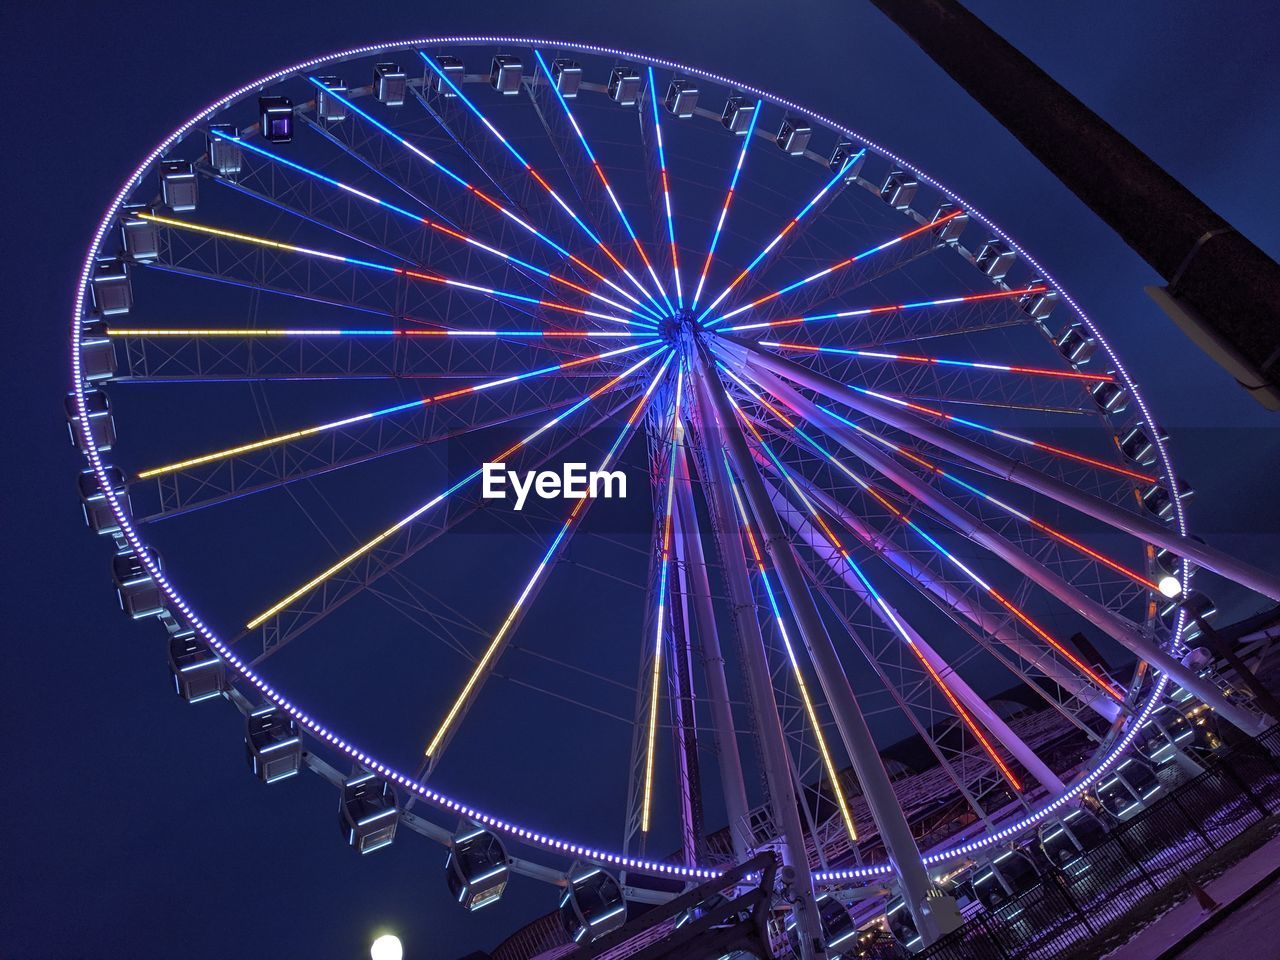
(682, 326)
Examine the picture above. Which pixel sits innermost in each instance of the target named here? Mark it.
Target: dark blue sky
(131, 825)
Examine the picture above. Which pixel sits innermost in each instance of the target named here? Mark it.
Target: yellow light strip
(676, 434)
(827, 761)
(399, 524)
(507, 624)
(347, 421)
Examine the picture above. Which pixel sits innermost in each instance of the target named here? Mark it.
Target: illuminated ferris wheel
(492, 398)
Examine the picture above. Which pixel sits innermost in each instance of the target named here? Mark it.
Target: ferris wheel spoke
(503, 296)
(909, 358)
(905, 246)
(461, 705)
(773, 250)
(316, 205)
(756, 558)
(1007, 467)
(443, 496)
(213, 354)
(460, 183)
(783, 800)
(421, 184)
(410, 405)
(1034, 654)
(970, 708)
(659, 622)
(210, 483)
(724, 209)
(926, 379)
(659, 184)
(948, 512)
(1170, 585)
(910, 682)
(700, 602)
(1047, 448)
(302, 202)
(546, 82)
(951, 762)
(961, 305)
(372, 152)
(455, 92)
(290, 622)
(951, 390)
(478, 138)
(527, 168)
(964, 601)
(889, 817)
(1123, 631)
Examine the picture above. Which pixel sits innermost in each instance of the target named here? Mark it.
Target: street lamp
(386, 947)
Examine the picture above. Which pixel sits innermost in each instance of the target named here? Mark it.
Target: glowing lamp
(386, 947)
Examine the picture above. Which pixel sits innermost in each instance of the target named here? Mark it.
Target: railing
(1142, 859)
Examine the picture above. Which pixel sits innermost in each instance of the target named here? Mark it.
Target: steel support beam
(750, 358)
(773, 747)
(1124, 632)
(972, 701)
(690, 555)
(854, 732)
(959, 605)
(1223, 290)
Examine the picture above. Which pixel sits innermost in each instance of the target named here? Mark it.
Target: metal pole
(773, 746)
(896, 694)
(955, 601)
(752, 358)
(1222, 289)
(1122, 631)
(688, 545)
(974, 703)
(860, 745)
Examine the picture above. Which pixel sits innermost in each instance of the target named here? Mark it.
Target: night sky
(132, 828)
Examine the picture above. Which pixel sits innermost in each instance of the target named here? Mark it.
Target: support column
(1076, 685)
(1122, 631)
(689, 552)
(773, 747)
(972, 702)
(860, 745)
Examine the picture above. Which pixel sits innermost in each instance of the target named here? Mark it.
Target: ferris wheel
(502, 405)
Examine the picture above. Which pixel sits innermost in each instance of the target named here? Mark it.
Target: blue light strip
(523, 224)
(573, 121)
(424, 221)
(839, 265)
(551, 191)
(666, 190)
(728, 199)
(791, 225)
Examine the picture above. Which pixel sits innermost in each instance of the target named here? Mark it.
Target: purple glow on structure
(352, 751)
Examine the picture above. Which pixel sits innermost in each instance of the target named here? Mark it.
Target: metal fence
(1148, 854)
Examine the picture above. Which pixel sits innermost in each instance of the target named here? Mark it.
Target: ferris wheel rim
(448, 804)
